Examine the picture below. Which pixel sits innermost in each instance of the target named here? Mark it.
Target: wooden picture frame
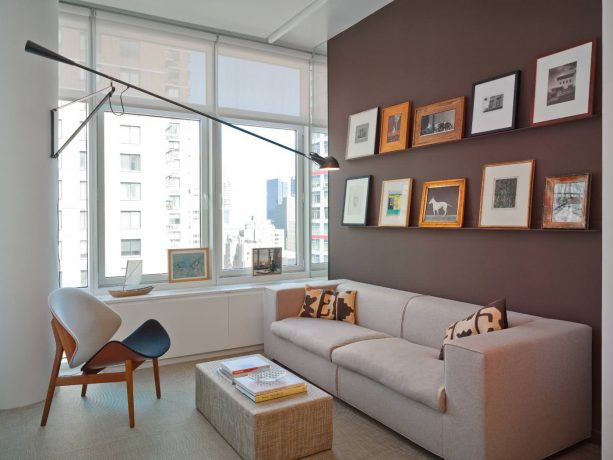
(564, 85)
(362, 134)
(355, 202)
(267, 261)
(506, 195)
(394, 132)
(494, 104)
(439, 122)
(440, 197)
(190, 264)
(566, 202)
(395, 202)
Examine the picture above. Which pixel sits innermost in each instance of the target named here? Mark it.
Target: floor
(96, 427)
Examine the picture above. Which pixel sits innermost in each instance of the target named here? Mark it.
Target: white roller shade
(320, 93)
(74, 44)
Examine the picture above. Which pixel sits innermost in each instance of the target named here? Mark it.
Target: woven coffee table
(287, 428)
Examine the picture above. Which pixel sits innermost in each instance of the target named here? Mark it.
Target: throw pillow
(318, 303)
(492, 317)
(344, 306)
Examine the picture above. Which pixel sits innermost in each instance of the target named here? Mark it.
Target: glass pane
(145, 213)
(319, 202)
(259, 195)
(72, 204)
(74, 44)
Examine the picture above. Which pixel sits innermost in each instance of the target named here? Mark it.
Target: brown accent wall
(426, 52)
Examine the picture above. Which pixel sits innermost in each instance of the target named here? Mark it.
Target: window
(83, 161)
(130, 220)
(316, 197)
(83, 249)
(130, 162)
(174, 219)
(172, 130)
(319, 201)
(173, 182)
(314, 229)
(130, 248)
(131, 76)
(173, 202)
(172, 92)
(315, 181)
(130, 191)
(59, 251)
(129, 134)
(129, 48)
(59, 189)
(59, 221)
(173, 146)
(83, 220)
(315, 214)
(83, 190)
(326, 212)
(83, 277)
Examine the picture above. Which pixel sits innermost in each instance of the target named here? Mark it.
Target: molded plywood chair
(82, 326)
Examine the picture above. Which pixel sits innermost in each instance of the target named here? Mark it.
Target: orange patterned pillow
(344, 306)
(318, 303)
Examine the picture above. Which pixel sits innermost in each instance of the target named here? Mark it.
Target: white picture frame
(362, 134)
(564, 85)
(355, 204)
(494, 104)
(395, 202)
(506, 195)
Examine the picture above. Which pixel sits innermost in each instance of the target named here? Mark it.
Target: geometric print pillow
(328, 304)
(344, 306)
(492, 317)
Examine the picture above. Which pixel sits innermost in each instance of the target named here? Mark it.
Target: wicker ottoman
(286, 428)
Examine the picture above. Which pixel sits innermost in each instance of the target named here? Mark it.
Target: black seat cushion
(150, 340)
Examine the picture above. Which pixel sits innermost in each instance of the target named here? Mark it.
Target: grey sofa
(521, 393)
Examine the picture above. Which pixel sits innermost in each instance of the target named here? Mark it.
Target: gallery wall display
(442, 203)
(494, 104)
(566, 201)
(506, 195)
(267, 261)
(439, 122)
(355, 206)
(394, 133)
(395, 203)
(564, 84)
(188, 265)
(362, 134)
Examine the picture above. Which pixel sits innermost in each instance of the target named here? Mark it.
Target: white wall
(607, 229)
(28, 248)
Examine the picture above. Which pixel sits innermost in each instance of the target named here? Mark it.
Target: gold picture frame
(441, 197)
(439, 122)
(190, 264)
(394, 132)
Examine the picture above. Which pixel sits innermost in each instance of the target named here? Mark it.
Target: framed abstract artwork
(567, 201)
(439, 122)
(442, 203)
(506, 195)
(395, 203)
(362, 134)
(188, 265)
(494, 104)
(355, 206)
(564, 84)
(394, 133)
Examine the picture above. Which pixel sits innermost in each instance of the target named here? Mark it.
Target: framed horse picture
(442, 203)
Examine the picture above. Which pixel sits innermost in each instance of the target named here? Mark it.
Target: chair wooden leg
(130, 387)
(156, 375)
(55, 370)
(83, 389)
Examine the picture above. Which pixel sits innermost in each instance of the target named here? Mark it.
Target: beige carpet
(96, 427)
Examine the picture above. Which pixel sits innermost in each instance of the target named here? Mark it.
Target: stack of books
(239, 367)
(260, 392)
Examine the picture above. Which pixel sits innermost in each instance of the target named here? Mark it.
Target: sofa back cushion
(426, 319)
(379, 308)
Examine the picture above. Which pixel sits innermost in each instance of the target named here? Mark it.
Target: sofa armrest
(524, 392)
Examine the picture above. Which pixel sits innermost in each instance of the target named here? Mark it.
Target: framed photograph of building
(394, 133)
(567, 200)
(362, 134)
(442, 203)
(439, 122)
(564, 85)
(188, 265)
(355, 206)
(494, 104)
(506, 195)
(395, 203)
(267, 261)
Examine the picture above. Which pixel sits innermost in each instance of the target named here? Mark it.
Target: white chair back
(90, 322)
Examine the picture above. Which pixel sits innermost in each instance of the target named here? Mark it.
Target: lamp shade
(329, 164)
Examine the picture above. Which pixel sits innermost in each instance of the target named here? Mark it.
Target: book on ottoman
(242, 366)
(259, 392)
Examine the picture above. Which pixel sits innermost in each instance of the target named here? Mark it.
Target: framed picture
(564, 84)
(267, 261)
(439, 122)
(362, 134)
(494, 104)
(188, 265)
(355, 206)
(395, 128)
(442, 203)
(506, 195)
(567, 200)
(395, 203)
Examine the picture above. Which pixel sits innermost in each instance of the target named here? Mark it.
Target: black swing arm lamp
(325, 163)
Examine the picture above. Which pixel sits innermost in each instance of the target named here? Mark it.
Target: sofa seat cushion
(321, 336)
(412, 370)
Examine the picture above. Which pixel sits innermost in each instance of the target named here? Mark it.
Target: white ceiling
(301, 24)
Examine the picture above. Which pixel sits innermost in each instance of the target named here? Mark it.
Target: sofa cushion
(344, 306)
(379, 308)
(412, 370)
(320, 336)
(318, 303)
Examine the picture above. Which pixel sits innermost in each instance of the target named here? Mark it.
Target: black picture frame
(473, 105)
(360, 216)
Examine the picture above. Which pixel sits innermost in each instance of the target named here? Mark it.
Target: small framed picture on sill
(267, 261)
(494, 104)
(567, 200)
(188, 265)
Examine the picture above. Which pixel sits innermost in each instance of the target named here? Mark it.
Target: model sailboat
(132, 280)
